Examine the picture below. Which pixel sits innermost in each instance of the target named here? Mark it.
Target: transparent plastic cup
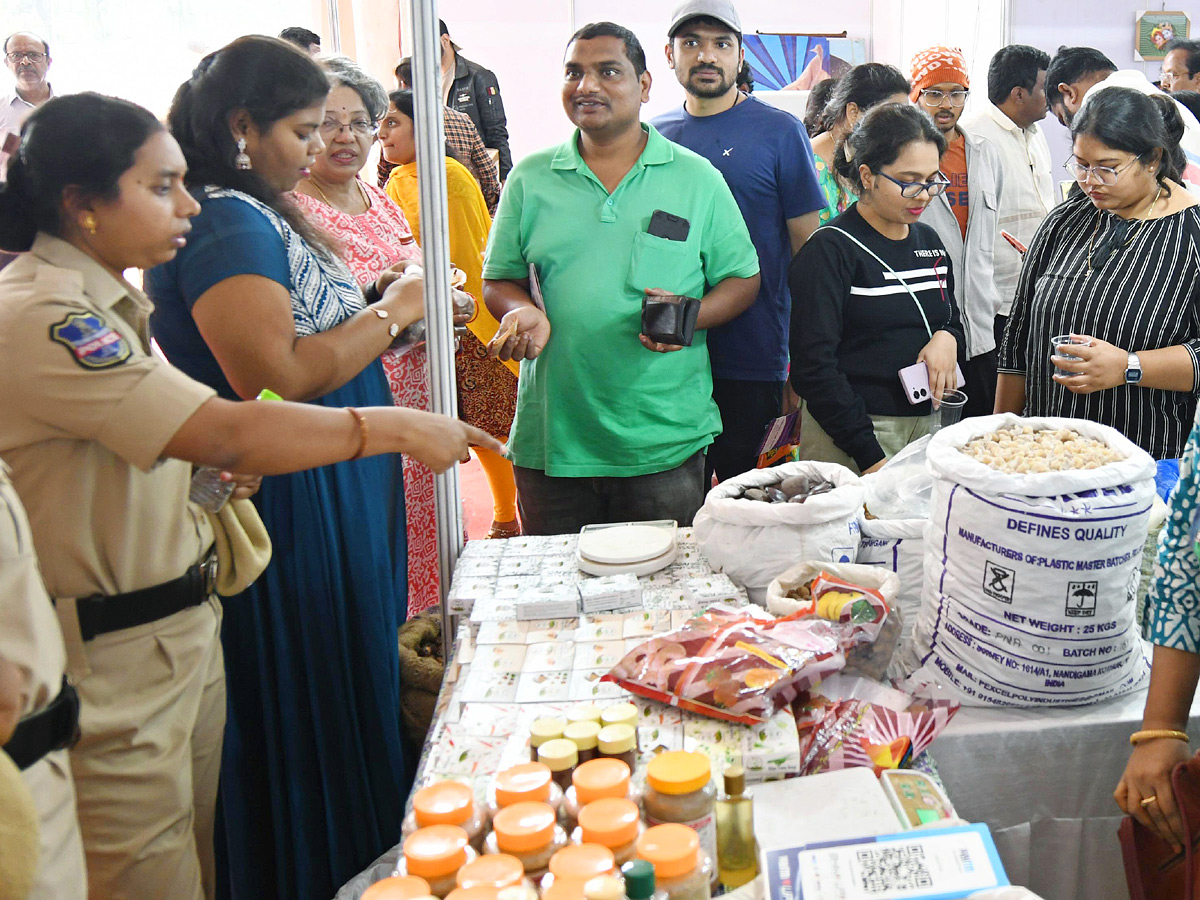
(949, 410)
(1057, 341)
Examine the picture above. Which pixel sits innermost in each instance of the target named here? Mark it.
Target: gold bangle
(1154, 734)
(363, 431)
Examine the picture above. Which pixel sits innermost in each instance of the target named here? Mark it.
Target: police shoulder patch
(92, 342)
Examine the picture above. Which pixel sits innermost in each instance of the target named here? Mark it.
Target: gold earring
(89, 222)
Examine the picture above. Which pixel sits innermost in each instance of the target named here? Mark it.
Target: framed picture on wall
(1155, 30)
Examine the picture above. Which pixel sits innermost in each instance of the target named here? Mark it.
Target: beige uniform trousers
(152, 718)
(894, 433)
(60, 872)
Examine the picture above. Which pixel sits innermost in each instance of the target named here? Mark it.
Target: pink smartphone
(915, 379)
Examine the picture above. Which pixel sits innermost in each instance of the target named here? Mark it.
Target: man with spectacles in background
(28, 58)
(966, 216)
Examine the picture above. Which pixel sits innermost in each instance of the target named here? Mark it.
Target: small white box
(610, 592)
(560, 602)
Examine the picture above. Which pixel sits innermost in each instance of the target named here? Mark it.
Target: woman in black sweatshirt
(872, 293)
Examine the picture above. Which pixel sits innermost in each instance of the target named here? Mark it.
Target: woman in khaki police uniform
(98, 431)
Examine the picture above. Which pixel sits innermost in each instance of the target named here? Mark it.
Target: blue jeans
(553, 505)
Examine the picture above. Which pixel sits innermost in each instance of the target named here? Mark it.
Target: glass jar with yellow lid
(679, 790)
(436, 853)
(619, 714)
(593, 781)
(618, 741)
(584, 735)
(447, 803)
(494, 870)
(397, 887)
(546, 728)
(585, 712)
(561, 756)
(581, 862)
(681, 868)
(613, 823)
(521, 784)
(530, 832)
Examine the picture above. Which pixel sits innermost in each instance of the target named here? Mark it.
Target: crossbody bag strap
(874, 255)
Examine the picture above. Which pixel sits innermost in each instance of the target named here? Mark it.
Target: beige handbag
(242, 544)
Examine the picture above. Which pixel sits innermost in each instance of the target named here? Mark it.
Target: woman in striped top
(872, 293)
(1119, 266)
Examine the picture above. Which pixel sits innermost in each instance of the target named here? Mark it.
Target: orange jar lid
(443, 803)
(672, 849)
(479, 892)
(611, 822)
(600, 778)
(524, 827)
(619, 714)
(678, 772)
(435, 851)
(582, 861)
(616, 739)
(528, 781)
(398, 887)
(565, 889)
(496, 870)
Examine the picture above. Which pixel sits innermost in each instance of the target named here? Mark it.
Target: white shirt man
(1009, 120)
(28, 58)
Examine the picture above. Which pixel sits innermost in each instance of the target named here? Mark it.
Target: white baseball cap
(721, 10)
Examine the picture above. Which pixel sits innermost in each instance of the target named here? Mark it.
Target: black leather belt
(101, 614)
(54, 728)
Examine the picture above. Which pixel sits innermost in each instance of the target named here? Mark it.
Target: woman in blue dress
(314, 777)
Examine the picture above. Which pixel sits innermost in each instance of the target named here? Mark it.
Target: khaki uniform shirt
(85, 412)
(29, 633)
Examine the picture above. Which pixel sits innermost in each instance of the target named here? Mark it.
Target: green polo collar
(658, 150)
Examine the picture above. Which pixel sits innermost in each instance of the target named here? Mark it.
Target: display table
(1043, 779)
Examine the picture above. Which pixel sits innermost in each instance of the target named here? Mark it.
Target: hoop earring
(242, 160)
(89, 222)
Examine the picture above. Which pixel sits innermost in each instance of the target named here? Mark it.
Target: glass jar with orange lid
(593, 781)
(479, 892)
(613, 823)
(436, 853)
(530, 832)
(580, 861)
(398, 887)
(546, 728)
(565, 889)
(521, 784)
(561, 756)
(618, 741)
(494, 870)
(447, 803)
(679, 790)
(681, 868)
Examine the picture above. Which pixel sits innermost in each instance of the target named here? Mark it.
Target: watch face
(1133, 376)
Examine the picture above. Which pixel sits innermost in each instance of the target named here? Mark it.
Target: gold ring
(1149, 800)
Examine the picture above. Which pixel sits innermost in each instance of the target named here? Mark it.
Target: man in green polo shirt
(610, 425)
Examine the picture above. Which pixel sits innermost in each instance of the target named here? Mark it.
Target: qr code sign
(887, 869)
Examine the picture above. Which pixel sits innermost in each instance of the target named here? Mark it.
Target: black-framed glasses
(359, 127)
(34, 56)
(911, 190)
(937, 98)
(1105, 175)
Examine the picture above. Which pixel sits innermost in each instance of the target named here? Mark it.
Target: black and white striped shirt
(1142, 297)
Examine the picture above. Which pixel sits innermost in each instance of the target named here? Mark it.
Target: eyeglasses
(1105, 175)
(937, 98)
(34, 56)
(360, 127)
(911, 190)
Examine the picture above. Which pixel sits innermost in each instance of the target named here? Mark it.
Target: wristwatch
(1133, 369)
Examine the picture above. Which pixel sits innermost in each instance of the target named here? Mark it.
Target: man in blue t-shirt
(766, 159)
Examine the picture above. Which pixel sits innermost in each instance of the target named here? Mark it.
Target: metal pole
(435, 248)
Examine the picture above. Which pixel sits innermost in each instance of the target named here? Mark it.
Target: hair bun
(1172, 120)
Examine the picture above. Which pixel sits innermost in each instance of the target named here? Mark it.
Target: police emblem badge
(93, 344)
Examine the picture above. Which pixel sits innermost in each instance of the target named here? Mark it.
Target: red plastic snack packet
(731, 665)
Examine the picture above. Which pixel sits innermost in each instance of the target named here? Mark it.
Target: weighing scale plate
(625, 544)
(646, 567)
